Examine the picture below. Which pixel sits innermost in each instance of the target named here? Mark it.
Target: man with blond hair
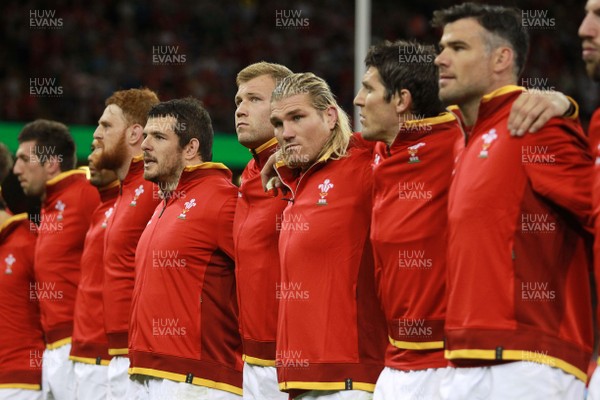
(256, 233)
(331, 333)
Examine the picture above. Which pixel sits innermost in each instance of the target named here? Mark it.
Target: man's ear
(503, 59)
(52, 165)
(331, 116)
(134, 135)
(403, 101)
(192, 150)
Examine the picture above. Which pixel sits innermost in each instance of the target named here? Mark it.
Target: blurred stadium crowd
(104, 46)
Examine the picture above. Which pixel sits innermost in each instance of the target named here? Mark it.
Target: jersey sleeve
(225, 227)
(558, 162)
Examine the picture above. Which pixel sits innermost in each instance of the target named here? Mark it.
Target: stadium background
(103, 46)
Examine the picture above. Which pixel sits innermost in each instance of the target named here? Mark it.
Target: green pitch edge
(226, 148)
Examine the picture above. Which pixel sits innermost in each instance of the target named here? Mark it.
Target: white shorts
(594, 386)
(336, 395)
(149, 388)
(118, 378)
(260, 383)
(91, 381)
(523, 380)
(20, 394)
(423, 384)
(58, 377)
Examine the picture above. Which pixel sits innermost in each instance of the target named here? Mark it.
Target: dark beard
(114, 159)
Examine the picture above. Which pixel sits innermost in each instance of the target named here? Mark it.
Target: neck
(390, 138)
(193, 161)
(123, 170)
(259, 144)
(166, 187)
(169, 184)
(3, 216)
(469, 110)
(52, 175)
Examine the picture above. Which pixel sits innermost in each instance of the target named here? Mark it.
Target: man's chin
(31, 193)
(96, 181)
(295, 163)
(107, 163)
(248, 141)
(593, 71)
(113, 159)
(369, 136)
(150, 176)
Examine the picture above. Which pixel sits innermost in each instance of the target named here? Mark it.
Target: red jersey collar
(62, 181)
(193, 172)
(109, 191)
(262, 153)
(416, 129)
(10, 224)
(136, 168)
(490, 104)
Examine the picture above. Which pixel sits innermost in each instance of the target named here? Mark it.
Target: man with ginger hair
(119, 138)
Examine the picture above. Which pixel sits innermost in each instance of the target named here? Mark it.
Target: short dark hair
(193, 121)
(51, 134)
(408, 65)
(505, 22)
(6, 162)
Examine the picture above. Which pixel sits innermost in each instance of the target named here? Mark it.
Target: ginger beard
(113, 156)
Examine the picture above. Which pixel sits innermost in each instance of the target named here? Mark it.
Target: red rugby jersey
(90, 344)
(184, 311)
(409, 236)
(133, 208)
(331, 332)
(21, 335)
(594, 138)
(65, 218)
(255, 235)
(519, 208)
